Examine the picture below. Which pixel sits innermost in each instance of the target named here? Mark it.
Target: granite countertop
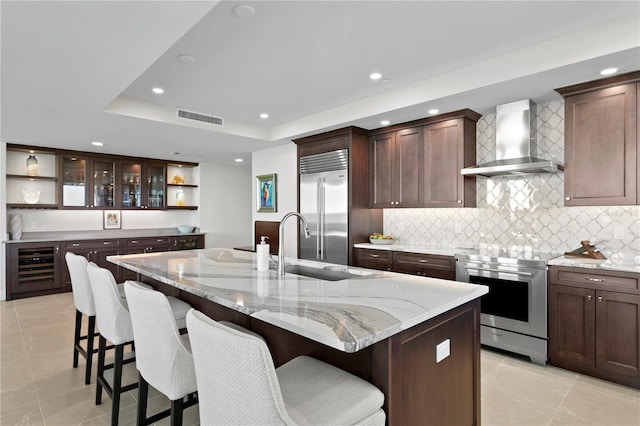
(28, 237)
(442, 251)
(348, 315)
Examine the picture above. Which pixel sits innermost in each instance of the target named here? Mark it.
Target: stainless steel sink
(322, 274)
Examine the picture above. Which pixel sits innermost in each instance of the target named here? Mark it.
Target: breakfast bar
(415, 338)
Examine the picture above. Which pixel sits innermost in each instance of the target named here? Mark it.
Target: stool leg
(117, 384)
(143, 393)
(91, 333)
(76, 338)
(100, 374)
(176, 412)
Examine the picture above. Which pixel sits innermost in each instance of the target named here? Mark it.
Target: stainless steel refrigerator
(324, 203)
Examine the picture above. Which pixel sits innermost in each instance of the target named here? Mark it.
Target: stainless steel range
(514, 312)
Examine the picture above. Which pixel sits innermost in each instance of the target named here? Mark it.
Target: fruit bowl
(384, 242)
(186, 229)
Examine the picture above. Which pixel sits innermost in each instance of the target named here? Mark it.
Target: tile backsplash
(525, 212)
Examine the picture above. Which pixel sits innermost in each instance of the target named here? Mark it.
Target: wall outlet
(618, 231)
(443, 350)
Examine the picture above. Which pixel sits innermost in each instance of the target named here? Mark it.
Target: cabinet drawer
(374, 259)
(594, 278)
(429, 261)
(135, 242)
(90, 244)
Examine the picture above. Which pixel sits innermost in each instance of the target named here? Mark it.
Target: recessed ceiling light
(158, 90)
(609, 71)
(186, 59)
(264, 115)
(238, 160)
(244, 11)
(375, 76)
(433, 111)
(97, 143)
(385, 122)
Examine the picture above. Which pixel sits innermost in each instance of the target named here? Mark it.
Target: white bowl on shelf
(186, 229)
(383, 242)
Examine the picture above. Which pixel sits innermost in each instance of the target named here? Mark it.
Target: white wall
(282, 161)
(225, 205)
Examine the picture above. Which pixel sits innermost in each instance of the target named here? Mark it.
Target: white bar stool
(238, 384)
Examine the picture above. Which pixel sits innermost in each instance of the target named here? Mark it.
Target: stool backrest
(161, 357)
(82, 296)
(237, 381)
(112, 314)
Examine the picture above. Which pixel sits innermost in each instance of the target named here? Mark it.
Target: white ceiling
(77, 71)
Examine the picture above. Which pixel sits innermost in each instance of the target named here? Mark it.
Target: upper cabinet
(418, 164)
(601, 142)
(86, 182)
(49, 178)
(31, 178)
(142, 185)
(449, 146)
(396, 173)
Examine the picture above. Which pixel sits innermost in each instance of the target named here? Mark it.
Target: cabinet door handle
(423, 261)
(106, 243)
(459, 201)
(599, 298)
(567, 198)
(134, 241)
(595, 280)
(159, 240)
(375, 256)
(75, 245)
(589, 298)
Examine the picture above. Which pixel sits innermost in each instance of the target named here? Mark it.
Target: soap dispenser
(263, 254)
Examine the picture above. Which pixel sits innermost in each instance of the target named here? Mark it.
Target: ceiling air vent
(191, 115)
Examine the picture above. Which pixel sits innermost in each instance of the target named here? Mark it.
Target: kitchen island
(415, 338)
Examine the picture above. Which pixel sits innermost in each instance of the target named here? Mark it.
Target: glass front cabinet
(87, 182)
(142, 185)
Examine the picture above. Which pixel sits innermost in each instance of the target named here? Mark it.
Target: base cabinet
(36, 269)
(595, 331)
(424, 265)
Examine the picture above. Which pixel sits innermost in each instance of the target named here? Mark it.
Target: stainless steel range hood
(514, 122)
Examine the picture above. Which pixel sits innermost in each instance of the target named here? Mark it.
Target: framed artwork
(112, 219)
(266, 191)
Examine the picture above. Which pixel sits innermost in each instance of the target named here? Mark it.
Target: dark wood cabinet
(78, 180)
(362, 219)
(601, 133)
(39, 268)
(86, 181)
(448, 147)
(95, 251)
(425, 265)
(142, 185)
(594, 323)
(417, 164)
(374, 259)
(396, 179)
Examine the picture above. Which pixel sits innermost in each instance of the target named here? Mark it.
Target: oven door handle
(526, 274)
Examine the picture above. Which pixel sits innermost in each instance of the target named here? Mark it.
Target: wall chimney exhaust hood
(514, 122)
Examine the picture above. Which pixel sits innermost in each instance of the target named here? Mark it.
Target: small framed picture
(112, 219)
(266, 191)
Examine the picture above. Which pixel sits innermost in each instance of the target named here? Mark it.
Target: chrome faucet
(281, 238)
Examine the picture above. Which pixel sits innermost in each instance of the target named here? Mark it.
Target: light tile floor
(39, 387)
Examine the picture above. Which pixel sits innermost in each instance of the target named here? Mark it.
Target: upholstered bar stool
(238, 384)
(83, 301)
(114, 322)
(163, 356)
